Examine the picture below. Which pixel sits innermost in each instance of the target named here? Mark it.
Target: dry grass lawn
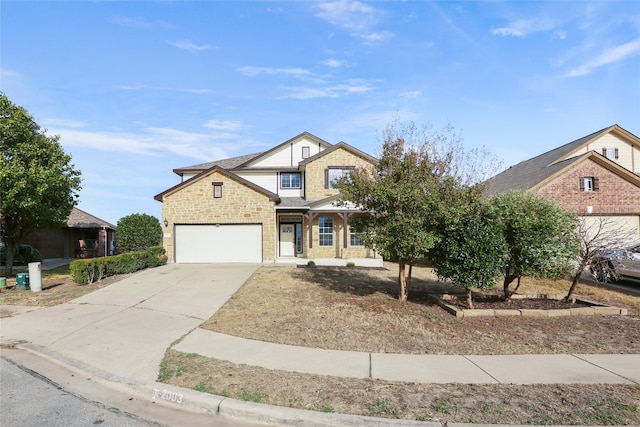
(354, 309)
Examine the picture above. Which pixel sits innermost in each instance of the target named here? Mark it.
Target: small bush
(91, 270)
(311, 263)
(351, 264)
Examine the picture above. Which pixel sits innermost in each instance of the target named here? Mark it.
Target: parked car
(23, 255)
(612, 265)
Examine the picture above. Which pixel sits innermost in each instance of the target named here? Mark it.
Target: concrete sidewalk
(418, 368)
(119, 335)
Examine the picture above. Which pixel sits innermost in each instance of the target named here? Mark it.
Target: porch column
(310, 217)
(345, 222)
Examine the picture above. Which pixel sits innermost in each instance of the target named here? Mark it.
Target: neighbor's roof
(81, 219)
(531, 173)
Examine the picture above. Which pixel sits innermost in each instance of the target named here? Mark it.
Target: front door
(287, 240)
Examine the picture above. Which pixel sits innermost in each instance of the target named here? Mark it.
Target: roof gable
(532, 173)
(264, 158)
(272, 196)
(344, 146)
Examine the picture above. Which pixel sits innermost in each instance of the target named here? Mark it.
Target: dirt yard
(351, 309)
(57, 288)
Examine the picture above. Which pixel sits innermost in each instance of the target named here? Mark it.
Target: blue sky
(136, 89)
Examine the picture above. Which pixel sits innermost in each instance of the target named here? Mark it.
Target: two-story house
(594, 176)
(277, 205)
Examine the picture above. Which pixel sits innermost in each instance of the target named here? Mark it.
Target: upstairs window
(305, 152)
(589, 183)
(610, 153)
(290, 180)
(217, 190)
(334, 173)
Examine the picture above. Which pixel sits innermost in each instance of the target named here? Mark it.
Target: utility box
(22, 281)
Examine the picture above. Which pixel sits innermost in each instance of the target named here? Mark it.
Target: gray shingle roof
(230, 163)
(81, 219)
(529, 173)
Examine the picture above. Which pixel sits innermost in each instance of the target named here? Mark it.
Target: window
(325, 231)
(354, 239)
(217, 190)
(289, 180)
(305, 152)
(610, 153)
(589, 183)
(333, 174)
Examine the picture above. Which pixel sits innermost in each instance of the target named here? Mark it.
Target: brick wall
(239, 204)
(614, 196)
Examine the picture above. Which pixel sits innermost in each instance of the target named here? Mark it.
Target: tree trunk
(518, 285)
(402, 281)
(508, 278)
(469, 299)
(409, 279)
(574, 283)
(9, 259)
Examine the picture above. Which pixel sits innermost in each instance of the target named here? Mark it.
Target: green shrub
(311, 263)
(90, 270)
(351, 264)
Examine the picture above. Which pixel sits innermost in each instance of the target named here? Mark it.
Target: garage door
(218, 243)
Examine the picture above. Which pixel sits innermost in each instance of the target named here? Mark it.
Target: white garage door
(218, 243)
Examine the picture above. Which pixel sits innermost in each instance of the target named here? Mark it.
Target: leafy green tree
(38, 183)
(421, 178)
(137, 232)
(541, 236)
(472, 250)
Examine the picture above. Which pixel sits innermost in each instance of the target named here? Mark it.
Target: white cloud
(139, 86)
(335, 63)
(189, 46)
(291, 72)
(377, 37)
(351, 15)
(138, 22)
(6, 73)
(332, 91)
(411, 94)
(608, 56)
(150, 141)
(356, 17)
(523, 27)
(227, 125)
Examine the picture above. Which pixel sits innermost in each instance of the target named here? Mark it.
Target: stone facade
(315, 172)
(240, 204)
(615, 195)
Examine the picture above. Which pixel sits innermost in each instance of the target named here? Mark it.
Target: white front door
(287, 240)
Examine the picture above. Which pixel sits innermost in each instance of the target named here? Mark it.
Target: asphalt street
(28, 399)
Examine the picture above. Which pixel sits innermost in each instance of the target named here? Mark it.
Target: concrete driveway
(124, 329)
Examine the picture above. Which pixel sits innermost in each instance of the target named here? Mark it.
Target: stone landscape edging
(593, 308)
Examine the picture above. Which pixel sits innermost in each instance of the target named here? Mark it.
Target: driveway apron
(124, 329)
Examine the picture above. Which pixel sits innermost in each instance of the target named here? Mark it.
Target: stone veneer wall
(615, 195)
(337, 250)
(239, 204)
(315, 172)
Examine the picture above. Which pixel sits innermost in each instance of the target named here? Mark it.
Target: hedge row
(91, 270)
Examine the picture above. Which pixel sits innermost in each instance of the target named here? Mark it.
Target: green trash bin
(22, 281)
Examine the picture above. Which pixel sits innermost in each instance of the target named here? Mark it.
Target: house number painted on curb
(171, 396)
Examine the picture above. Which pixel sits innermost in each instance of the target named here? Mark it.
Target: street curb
(202, 403)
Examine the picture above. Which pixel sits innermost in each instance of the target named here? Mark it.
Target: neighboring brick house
(594, 176)
(83, 236)
(278, 205)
